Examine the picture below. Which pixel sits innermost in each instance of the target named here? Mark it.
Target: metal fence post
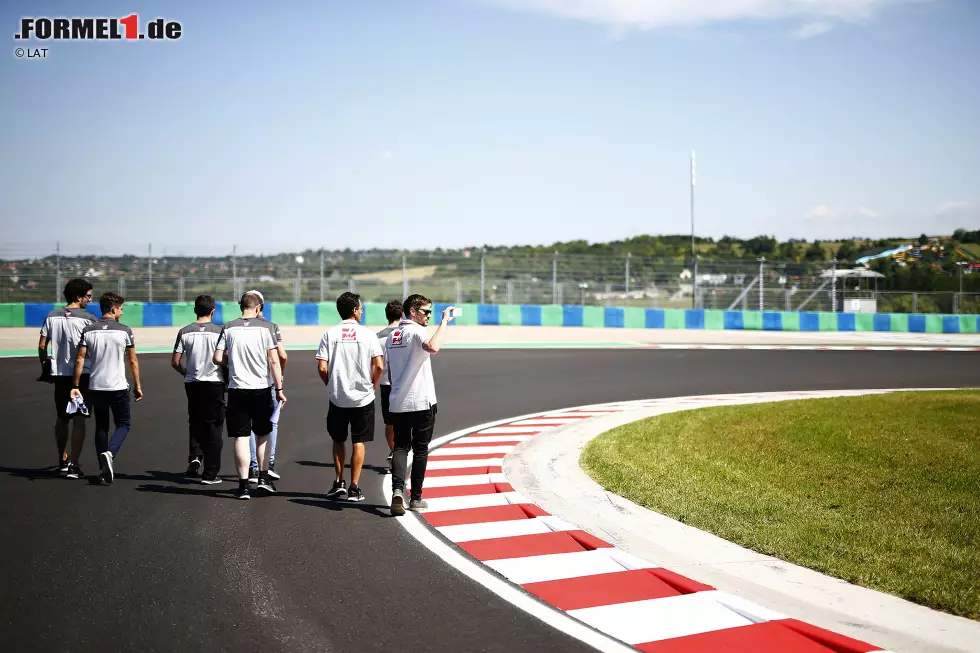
(554, 279)
(483, 289)
(627, 276)
(321, 274)
(404, 277)
(149, 278)
(459, 292)
(833, 286)
(915, 302)
(299, 282)
(762, 283)
(694, 293)
(510, 291)
(57, 278)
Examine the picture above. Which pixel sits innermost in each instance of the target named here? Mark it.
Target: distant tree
(923, 239)
(814, 252)
(847, 251)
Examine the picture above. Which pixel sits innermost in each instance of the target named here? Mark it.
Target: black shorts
(62, 395)
(249, 411)
(385, 403)
(360, 421)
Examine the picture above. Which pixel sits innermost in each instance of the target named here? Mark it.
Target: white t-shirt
(247, 341)
(348, 349)
(412, 385)
(383, 338)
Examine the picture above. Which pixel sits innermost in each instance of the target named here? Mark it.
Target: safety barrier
(175, 314)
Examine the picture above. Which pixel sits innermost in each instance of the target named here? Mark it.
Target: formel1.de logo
(97, 29)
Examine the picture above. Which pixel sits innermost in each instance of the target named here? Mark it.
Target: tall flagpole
(694, 254)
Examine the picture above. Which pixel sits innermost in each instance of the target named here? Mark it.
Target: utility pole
(554, 279)
(321, 274)
(762, 283)
(404, 277)
(483, 260)
(833, 287)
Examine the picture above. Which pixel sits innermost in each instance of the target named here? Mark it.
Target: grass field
(882, 491)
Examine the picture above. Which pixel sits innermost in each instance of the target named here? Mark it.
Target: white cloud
(386, 155)
(650, 14)
(952, 207)
(810, 30)
(824, 212)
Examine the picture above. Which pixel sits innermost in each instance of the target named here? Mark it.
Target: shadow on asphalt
(313, 463)
(34, 474)
(337, 506)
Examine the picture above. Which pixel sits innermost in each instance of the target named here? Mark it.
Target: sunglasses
(425, 311)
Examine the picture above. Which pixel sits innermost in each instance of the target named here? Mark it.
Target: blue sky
(426, 123)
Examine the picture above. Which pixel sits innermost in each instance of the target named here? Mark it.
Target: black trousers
(412, 431)
(205, 418)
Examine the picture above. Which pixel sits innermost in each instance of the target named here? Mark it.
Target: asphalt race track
(157, 562)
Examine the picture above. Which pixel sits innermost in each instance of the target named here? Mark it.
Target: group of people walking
(233, 379)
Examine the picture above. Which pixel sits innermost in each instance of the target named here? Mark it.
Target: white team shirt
(412, 385)
(348, 349)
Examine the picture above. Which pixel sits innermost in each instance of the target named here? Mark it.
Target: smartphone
(455, 312)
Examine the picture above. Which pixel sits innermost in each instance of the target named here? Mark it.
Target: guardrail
(137, 314)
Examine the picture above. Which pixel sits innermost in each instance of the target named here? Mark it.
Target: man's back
(106, 342)
(196, 343)
(383, 339)
(63, 329)
(348, 349)
(412, 384)
(247, 341)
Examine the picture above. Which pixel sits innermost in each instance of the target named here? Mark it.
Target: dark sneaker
(63, 467)
(338, 491)
(242, 493)
(193, 468)
(211, 481)
(355, 494)
(397, 503)
(253, 475)
(105, 467)
(265, 484)
(417, 505)
(74, 471)
(272, 472)
(390, 456)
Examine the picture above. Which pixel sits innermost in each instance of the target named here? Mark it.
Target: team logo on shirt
(348, 334)
(105, 326)
(396, 337)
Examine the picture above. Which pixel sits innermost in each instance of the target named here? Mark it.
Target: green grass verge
(882, 491)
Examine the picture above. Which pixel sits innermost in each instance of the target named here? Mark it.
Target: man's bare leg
(339, 454)
(243, 456)
(61, 438)
(262, 452)
(356, 463)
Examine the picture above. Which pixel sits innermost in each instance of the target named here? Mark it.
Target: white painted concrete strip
(554, 566)
(442, 452)
(495, 529)
(460, 463)
(657, 619)
(500, 430)
(490, 439)
(546, 421)
(461, 480)
(476, 501)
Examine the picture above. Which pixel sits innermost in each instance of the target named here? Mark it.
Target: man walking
(350, 363)
(193, 358)
(253, 474)
(393, 312)
(109, 347)
(62, 329)
(413, 396)
(247, 347)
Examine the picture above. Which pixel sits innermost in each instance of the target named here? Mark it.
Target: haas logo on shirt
(105, 326)
(348, 334)
(396, 337)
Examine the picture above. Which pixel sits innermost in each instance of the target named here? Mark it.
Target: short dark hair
(347, 304)
(203, 305)
(249, 300)
(393, 310)
(109, 301)
(76, 288)
(414, 302)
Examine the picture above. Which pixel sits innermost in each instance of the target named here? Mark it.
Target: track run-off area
(157, 562)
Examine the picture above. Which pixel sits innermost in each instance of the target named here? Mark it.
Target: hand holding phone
(451, 313)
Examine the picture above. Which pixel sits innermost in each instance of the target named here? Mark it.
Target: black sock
(243, 484)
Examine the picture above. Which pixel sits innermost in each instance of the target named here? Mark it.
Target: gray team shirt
(196, 344)
(383, 339)
(276, 337)
(63, 328)
(247, 342)
(106, 342)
